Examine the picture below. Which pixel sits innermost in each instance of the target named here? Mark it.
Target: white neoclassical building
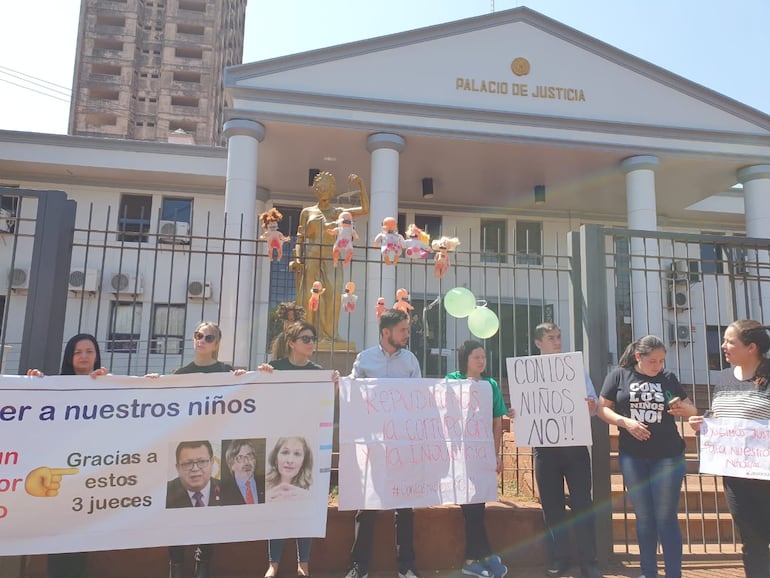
(508, 131)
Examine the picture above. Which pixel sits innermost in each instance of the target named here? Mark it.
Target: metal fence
(140, 292)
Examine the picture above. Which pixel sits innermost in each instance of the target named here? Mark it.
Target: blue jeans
(654, 486)
(275, 549)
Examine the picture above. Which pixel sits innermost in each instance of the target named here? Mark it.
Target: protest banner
(115, 462)
(735, 447)
(548, 393)
(415, 443)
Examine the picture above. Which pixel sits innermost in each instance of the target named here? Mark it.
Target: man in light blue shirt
(387, 359)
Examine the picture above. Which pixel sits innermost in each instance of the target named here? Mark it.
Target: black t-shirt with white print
(644, 398)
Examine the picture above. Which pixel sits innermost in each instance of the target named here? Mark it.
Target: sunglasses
(307, 339)
(207, 338)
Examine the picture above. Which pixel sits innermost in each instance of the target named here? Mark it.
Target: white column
(646, 296)
(756, 199)
(383, 199)
(243, 138)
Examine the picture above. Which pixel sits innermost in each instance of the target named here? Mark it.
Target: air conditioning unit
(125, 284)
(174, 232)
(199, 290)
(84, 280)
(18, 278)
(679, 333)
(678, 271)
(679, 296)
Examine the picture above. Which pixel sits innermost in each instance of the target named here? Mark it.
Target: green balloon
(483, 322)
(459, 302)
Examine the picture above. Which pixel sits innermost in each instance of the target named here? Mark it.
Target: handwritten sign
(548, 393)
(415, 443)
(735, 447)
(122, 462)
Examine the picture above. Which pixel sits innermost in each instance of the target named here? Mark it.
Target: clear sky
(721, 44)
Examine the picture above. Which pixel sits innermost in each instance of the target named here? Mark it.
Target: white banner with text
(548, 394)
(735, 447)
(415, 443)
(127, 462)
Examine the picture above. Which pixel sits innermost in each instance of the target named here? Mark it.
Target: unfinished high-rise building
(152, 69)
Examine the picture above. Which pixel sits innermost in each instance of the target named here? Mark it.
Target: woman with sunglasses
(292, 350)
(206, 340)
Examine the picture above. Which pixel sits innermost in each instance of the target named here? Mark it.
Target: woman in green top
(479, 559)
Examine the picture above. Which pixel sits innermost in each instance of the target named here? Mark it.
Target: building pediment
(516, 63)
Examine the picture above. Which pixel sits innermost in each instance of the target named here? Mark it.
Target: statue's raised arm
(364, 208)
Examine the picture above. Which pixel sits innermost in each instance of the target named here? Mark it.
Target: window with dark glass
(529, 243)
(125, 325)
(493, 240)
(134, 218)
(168, 322)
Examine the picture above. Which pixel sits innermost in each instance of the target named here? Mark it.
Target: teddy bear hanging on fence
(275, 239)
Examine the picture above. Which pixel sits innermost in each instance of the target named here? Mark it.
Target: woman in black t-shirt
(292, 350)
(643, 400)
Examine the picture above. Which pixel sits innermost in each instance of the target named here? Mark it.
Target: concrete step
(699, 494)
(692, 464)
(515, 532)
(708, 528)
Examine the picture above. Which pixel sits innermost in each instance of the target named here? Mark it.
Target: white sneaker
(411, 573)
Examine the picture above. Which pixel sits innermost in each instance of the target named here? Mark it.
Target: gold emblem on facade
(520, 66)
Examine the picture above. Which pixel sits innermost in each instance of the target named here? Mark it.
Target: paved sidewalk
(723, 566)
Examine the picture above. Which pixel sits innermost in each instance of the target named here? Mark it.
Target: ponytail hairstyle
(750, 331)
(643, 346)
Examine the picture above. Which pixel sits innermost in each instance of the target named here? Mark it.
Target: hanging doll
(315, 295)
(346, 234)
(380, 308)
(441, 248)
(417, 243)
(401, 301)
(275, 239)
(349, 298)
(390, 242)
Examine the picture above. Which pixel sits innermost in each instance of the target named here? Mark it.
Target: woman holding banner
(742, 392)
(291, 350)
(643, 400)
(479, 559)
(81, 357)
(206, 340)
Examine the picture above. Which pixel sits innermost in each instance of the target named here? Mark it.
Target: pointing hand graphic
(44, 482)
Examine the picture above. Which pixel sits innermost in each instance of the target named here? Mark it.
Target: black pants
(67, 565)
(364, 536)
(553, 465)
(476, 541)
(749, 503)
(203, 554)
